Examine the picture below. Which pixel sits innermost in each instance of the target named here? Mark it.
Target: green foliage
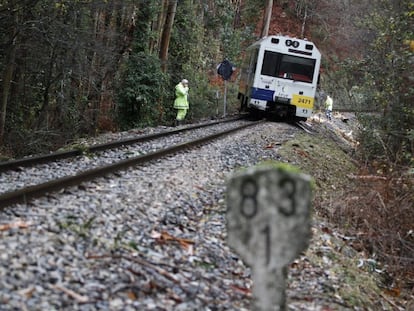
(286, 167)
(201, 98)
(382, 79)
(191, 57)
(197, 48)
(186, 44)
(220, 27)
(65, 55)
(252, 11)
(76, 226)
(141, 92)
(145, 16)
(81, 65)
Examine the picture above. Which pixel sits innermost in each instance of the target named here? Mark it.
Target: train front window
(297, 68)
(288, 66)
(270, 64)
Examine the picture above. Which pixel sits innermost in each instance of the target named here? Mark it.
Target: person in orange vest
(181, 101)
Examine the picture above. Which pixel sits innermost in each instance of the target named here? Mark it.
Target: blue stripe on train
(262, 94)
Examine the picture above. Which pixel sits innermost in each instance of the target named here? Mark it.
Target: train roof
(291, 42)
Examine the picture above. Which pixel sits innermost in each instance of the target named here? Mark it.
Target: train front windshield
(288, 66)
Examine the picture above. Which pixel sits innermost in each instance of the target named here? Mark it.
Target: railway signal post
(225, 69)
(268, 222)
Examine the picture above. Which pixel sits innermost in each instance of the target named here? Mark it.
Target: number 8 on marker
(249, 198)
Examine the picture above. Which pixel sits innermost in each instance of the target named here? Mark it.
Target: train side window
(254, 61)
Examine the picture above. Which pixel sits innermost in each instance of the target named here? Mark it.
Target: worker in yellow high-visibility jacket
(181, 100)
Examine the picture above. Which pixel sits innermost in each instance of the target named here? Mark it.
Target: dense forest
(76, 68)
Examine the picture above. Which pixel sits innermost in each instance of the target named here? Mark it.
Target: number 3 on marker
(287, 206)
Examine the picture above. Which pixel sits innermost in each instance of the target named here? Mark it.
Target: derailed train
(280, 76)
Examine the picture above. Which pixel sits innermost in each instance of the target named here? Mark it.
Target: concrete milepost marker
(268, 222)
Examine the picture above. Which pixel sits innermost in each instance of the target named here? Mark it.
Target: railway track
(155, 231)
(305, 127)
(45, 158)
(132, 156)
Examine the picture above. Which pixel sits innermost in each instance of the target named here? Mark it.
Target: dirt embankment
(352, 255)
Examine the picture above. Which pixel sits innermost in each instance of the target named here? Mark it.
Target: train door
(252, 67)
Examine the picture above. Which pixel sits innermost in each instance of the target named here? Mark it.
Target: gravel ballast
(150, 238)
(154, 237)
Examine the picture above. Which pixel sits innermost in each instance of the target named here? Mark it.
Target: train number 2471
(303, 101)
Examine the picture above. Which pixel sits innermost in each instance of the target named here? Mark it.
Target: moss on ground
(326, 158)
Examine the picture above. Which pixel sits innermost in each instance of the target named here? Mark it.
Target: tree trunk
(267, 18)
(7, 79)
(237, 4)
(166, 34)
(305, 16)
(157, 26)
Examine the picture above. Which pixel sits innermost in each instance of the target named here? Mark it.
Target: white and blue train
(280, 76)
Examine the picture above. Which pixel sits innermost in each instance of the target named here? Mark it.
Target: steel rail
(44, 158)
(24, 195)
(302, 125)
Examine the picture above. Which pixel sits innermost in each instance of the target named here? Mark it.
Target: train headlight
(289, 42)
(309, 47)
